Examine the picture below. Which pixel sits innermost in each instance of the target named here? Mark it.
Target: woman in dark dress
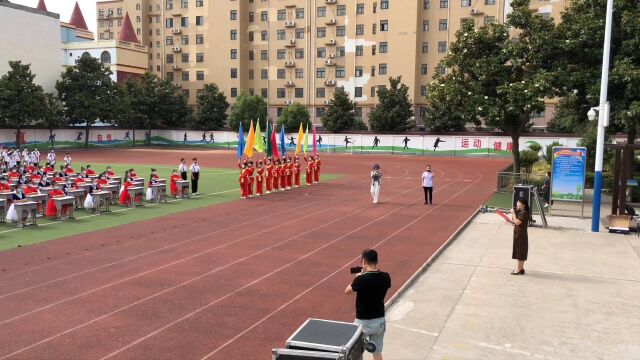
(520, 218)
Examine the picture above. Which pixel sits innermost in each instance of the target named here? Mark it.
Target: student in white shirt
(67, 159)
(427, 185)
(195, 176)
(182, 168)
(51, 157)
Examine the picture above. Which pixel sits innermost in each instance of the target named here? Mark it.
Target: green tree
(548, 152)
(247, 108)
(294, 115)
(340, 114)
(581, 32)
(129, 109)
(449, 108)
(53, 117)
(87, 93)
(21, 100)
(172, 106)
(393, 112)
(211, 109)
(503, 79)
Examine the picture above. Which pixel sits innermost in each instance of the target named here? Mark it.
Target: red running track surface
(234, 280)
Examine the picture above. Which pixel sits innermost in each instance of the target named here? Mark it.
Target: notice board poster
(568, 173)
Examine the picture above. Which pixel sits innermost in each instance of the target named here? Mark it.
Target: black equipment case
(329, 336)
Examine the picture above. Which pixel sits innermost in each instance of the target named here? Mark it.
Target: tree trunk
(515, 151)
(18, 142)
(50, 137)
(86, 136)
(134, 137)
(631, 136)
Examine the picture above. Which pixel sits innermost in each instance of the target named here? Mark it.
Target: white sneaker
(546, 205)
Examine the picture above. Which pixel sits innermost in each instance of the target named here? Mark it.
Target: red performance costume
(259, 180)
(52, 210)
(316, 172)
(276, 176)
(172, 184)
(250, 170)
(283, 174)
(269, 176)
(5, 187)
(291, 172)
(296, 172)
(125, 199)
(90, 172)
(310, 167)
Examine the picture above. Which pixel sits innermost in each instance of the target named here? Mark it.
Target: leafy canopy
(247, 108)
(340, 115)
(211, 109)
(393, 112)
(294, 115)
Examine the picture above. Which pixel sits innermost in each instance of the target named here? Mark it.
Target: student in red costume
(244, 180)
(125, 199)
(48, 169)
(132, 174)
(309, 168)
(269, 175)
(283, 174)
(90, 171)
(14, 174)
(109, 172)
(276, 177)
(316, 170)
(259, 178)
(68, 170)
(291, 172)
(52, 210)
(4, 186)
(296, 171)
(251, 179)
(173, 187)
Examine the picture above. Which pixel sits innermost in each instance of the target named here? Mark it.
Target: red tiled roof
(77, 19)
(41, 5)
(127, 33)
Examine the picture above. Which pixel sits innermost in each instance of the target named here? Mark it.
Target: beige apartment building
(301, 50)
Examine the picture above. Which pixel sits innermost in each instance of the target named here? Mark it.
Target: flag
(251, 140)
(283, 148)
(269, 148)
(315, 151)
(240, 142)
(306, 140)
(274, 144)
(299, 144)
(259, 146)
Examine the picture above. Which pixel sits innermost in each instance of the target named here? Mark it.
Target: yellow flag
(251, 140)
(300, 140)
(259, 146)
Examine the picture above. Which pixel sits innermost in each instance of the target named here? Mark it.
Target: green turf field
(503, 201)
(216, 186)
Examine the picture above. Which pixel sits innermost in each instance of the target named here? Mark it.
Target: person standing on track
(427, 185)
(195, 176)
(182, 168)
(371, 286)
(376, 181)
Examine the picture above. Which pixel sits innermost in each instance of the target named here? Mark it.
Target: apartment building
(301, 50)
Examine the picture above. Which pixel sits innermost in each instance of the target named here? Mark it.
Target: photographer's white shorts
(374, 329)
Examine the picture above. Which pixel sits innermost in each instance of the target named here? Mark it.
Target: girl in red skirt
(259, 178)
(310, 167)
(316, 171)
(269, 175)
(52, 211)
(172, 183)
(296, 171)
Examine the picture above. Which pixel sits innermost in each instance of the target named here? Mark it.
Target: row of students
(276, 174)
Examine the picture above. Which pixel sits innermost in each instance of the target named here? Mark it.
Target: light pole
(603, 120)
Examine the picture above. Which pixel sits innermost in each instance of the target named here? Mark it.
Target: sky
(65, 7)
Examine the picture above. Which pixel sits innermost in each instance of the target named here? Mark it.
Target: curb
(394, 298)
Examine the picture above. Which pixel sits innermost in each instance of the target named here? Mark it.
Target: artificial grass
(503, 201)
(216, 186)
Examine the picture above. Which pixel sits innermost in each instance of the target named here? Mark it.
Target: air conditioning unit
(331, 42)
(329, 62)
(326, 102)
(476, 12)
(176, 49)
(331, 1)
(332, 55)
(330, 83)
(292, 41)
(288, 102)
(289, 23)
(289, 83)
(176, 67)
(106, 30)
(289, 63)
(176, 31)
(331, 21)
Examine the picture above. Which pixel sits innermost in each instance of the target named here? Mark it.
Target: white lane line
(412, 329)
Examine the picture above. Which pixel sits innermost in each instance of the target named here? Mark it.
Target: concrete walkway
(580, 298)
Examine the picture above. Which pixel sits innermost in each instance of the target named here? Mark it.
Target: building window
(300, 13)
(282, 14)
(465, 3)
(200, 57)
(341, 31)
(359, 71)
(185, 76)
(251, 16)
(264, 93)
(234, 34)
(359, 50)
(442, 25)
(299, 53)
(233, 15)
(299, 93)
(382, 69)
(442, 46)
(199, 20)
(358, 92)
(185, 92)
(322, 53)
(320, 73)
(234, 92)
(184, 22)
(321, 32)
(199, 39)
(384, 47)
(280, 54)
(360, 29)
(105, 57)
(425, 47)
(264, 74)
(264, 35)
(322, 11)
(279, 111)
(425, 25)
(374, 26)
(280, 93)
(251, 74)
(320, 93)
(340, 51)
(384, 25)
(489, 2)
(373, 70)
(444, 4)
(199, 75)
(280, 74)
(340, 72)
(358, 112)
(184, 4)
(168, 4)
(264, 16)
(234, 73)
(185, 57)
(264, 54)
(169, 23)
(341, 10)
(199, 3)
(384, 4)
(169, 58)
(280, 34)
(169, 76)
(373, 91)
(423, 69)
(299, 73)
(138, 19)
(299, 33)
(184, 39)
(169, 40)
(441, 69)
(360, 9)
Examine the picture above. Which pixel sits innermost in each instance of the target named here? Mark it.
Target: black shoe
(521, 272)
(426, 203)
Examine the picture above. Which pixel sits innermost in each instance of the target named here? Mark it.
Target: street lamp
(603, 120)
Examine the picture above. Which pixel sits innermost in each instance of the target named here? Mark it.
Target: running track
(231, 281)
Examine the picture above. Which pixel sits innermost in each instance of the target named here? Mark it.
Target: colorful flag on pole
(306, 140)
(240, 142)
(251, 140)
(259, 146)
(315, 151)
(299, 144)
(283, 148)
(274, 145)
(269, 150)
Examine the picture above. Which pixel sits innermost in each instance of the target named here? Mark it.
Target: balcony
(289, 63)
(331, 42)
(330, 83)
(290, 4)
(176, 49)
(331, 21)
(291, 43)
(289, 83)
(176, 31)
(289, 24)
(330, 62)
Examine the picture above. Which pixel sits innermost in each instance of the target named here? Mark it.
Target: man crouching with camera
(370, 286)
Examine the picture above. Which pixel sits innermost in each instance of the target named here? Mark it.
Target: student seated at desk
(172, 183)
(90, 171)
(109, 172)
(18, 197)
(35, 177)
(132, 174)
(31, 168)
(48, 169)
(102, 179)
(79, 181)
(52, 210)
(125, 199)
(68, 170)
(14, 174)
(89, 202)
(4, 186)
(153, 179)
(44, 183)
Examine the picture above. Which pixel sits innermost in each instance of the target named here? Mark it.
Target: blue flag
(282, 143)
(240, 142)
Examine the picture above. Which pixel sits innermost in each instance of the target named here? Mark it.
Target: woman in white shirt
(376, 181)
(427, 185)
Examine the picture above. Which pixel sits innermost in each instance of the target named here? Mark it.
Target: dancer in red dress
(259, 177)
(276, 176)
(173, 187)
(269, 175)
(90, 171)
(316, 170)
(52, 211)
(242, 180)
(109, 172)
(309, 169)
(251, 179)
(283, 174)
(4, 186)
(296, 171)
(125, 199)
(14, 174)
(291, 172)
(68, 170)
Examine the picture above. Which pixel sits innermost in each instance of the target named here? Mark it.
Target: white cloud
(65, 7)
